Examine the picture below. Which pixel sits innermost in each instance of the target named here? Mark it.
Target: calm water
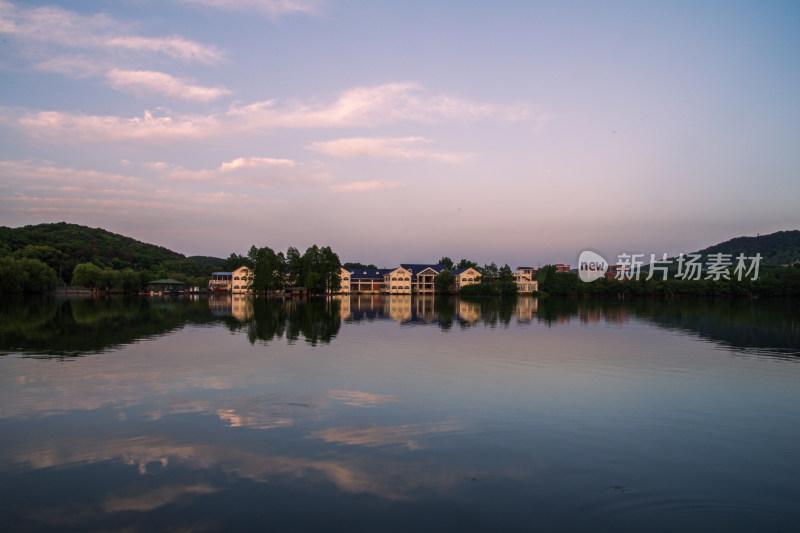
(379, 414)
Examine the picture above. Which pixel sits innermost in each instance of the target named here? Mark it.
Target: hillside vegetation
(779, 248)
(62, 246)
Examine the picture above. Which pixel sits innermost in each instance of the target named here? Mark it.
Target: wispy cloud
(369, 185)
(383, 148)
(359, 107)
(46, 189)
(269, 7)
(101, 33)
(60, 126)
(255, 162)
(380, 104)
(148, 81)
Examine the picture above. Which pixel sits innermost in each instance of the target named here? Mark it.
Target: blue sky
(514, 132)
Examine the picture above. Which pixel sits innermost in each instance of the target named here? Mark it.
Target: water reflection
(55, 328)
(397, 414)
(58, 327)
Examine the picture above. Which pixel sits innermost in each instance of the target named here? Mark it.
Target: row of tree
(318, 270)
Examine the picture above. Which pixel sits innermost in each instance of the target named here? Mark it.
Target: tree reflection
(51, 327)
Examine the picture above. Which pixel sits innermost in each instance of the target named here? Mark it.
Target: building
(406, 279)
(242, 280)
(344, 279)
(398, 281)
(422, 277)
(367, 281)
(465, 276)
(220, 281)
(561, 267)
(525, 278)
(164, 286)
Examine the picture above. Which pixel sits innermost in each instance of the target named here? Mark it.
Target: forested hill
(779, 248)
(62, 246)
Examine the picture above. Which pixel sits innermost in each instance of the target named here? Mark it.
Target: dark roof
(222, 273)
(369, 273)
(457, 271)
(529, 268)
(416, 269)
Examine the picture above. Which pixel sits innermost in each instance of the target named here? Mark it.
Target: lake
(372, 413)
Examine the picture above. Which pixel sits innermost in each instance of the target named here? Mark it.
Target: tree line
(316, 271)
(773, 281)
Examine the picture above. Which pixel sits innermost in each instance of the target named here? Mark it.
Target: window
(394, 279)
(236, 286)
(236, 278)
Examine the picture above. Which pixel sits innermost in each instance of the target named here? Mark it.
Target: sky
(514, 132)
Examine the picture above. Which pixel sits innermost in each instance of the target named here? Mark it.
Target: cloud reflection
(355, 474)
(404, 435)
(361, 399)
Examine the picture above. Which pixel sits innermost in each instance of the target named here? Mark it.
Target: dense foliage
(494, 281)
(25, 276)
(63, 247)
(443, 280)
(359, 266)
(317, 270)
(779, 248)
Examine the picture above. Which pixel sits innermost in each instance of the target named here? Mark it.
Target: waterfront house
(464, 277)
(525, 278)
(408, 278)
(398, 281)
(220, 281)
(164, 286)
(422, 277)
(242, 280)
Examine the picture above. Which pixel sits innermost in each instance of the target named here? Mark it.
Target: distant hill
(62, 246)
(779, 248)
(211, 264)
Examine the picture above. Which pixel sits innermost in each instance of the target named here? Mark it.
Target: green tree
(26, 275)
(87, 275)
(268, 269)
(131, 281)
(466, 263)
(294, 262)
(443, 280)
(490, 273)
(233, 262)
(331, 269)
(53, 258)
(505, 283)
(359, 266)
(446, 262)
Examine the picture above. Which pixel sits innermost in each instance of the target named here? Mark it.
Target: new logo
(591, 266)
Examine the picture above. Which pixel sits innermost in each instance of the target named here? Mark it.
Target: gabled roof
(457, 271)
(416, 269)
